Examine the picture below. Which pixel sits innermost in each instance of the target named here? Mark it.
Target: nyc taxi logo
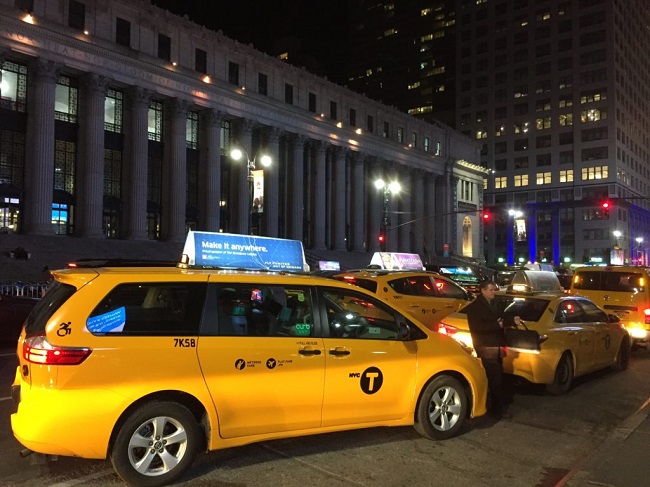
(370, 380)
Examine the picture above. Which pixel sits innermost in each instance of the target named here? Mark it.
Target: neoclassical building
(117, 121)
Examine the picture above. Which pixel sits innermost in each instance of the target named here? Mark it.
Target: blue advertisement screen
(247, 252)
(113, 321)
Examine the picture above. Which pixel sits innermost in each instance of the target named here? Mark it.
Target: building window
(543, 141)
(192, 130)
(353, 117)
(77, 15)
(566, 119)
(233, 73)
(543, 160)
(500, 182)
(155, 121)
(521, 144)
(521, 180)
(113, 103)
(200, 61)
(12, 156)
(333, 110)
(543, 123)
(597, 172)
(65, 159)
(288, 93)
(123, 32)
(414, 140)
(521, 162)
(426, 144)
(400, 135)
(66, 100)
(566, 157)
(312, 102)
(593, 115)
(543, 178)
(262, 84)
(371, 124)
(566, 138)
(386, 133)
(566, 176)
(13, 89)
(164, 47)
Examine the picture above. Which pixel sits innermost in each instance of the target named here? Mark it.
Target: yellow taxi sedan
(427, 296)
(576, 338)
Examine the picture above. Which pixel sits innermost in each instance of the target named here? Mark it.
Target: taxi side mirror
(404, 330)
(613, 318)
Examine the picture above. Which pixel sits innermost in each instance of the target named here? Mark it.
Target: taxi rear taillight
(37, 350)
(447, 329)
(646, 313)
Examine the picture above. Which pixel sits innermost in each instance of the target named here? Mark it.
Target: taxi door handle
(338, 351)
(309, 351)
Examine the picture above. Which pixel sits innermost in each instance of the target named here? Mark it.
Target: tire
(141, 459)
(623, 355)
(442, 409)
(563, 376)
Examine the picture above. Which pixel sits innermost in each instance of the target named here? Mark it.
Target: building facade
(556, 93)
(117, 121)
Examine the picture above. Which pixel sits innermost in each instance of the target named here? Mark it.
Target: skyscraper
(556, 92)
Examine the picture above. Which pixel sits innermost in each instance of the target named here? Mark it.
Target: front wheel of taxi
(156, 444)
(623, 355)
(442, 408)
(563, 376)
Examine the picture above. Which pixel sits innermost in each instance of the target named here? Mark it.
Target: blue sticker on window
(110, 322)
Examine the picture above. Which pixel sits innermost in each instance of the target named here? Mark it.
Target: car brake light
(646, 312)
(446, 329)
(37, 350)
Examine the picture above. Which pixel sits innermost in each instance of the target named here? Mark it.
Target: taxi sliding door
(370, 374)
(578, 334)
(261, 362)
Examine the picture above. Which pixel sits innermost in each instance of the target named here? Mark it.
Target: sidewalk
(621, 460)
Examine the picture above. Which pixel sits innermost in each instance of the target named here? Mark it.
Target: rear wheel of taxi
(623, 355)
(563, 376)
(442, 409)
(156, 444)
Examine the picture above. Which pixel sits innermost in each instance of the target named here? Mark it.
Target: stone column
(359, 189)
(175, 201)
(296, 187)
(210, 184)
(272, 183)
(405, 215)
(137, 161)
(339, 195)
(241, 183)
(39, 160)
(90, 199)
(318, 196)
(430, 211)
(375, 207)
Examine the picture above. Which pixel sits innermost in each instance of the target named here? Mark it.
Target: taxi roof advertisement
(206, 249)
(395, 260)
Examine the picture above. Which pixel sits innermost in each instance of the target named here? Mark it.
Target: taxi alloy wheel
(442, 408)
(563, 376)
(156, 444)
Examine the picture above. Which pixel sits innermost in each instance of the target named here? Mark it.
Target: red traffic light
(486, 215)
(605, 205)
(381, 237)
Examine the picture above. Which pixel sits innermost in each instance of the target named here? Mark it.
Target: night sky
(264, 23)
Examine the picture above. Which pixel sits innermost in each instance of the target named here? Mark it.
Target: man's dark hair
(484, 284)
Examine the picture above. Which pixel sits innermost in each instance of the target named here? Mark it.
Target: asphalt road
(545, 439)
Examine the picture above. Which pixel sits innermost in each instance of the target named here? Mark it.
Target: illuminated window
(425, 11)
(521, 127)
(66, 99)
(566, 176)
(543, 178)
(113, 111)
(499, 130)
(566, 119)
(481, 134)
(591, 96)
(390, 32)
(155, 121)
(521, 180)
(501, 182)
(412, 86)
(593, 115)
(543, 123)
(566, 101)
(597, 172)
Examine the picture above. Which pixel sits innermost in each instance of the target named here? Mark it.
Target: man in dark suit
(486, 326)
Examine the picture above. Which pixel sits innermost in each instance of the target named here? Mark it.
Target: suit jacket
(487, 336)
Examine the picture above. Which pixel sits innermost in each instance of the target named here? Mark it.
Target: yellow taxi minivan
(148, 366)
(620, 290)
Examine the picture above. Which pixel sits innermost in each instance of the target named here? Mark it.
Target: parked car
(13, 312)
(575, 336)
(621, 290)
(148, 366)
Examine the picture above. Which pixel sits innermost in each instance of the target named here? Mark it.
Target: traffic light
(382, 241)
(486, 216)
(605, 205)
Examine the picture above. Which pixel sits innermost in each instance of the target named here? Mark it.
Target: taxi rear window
(613, 281)
(54, 298)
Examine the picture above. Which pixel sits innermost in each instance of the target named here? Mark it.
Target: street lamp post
(388, 188)
(639, 251)
(238, 154)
